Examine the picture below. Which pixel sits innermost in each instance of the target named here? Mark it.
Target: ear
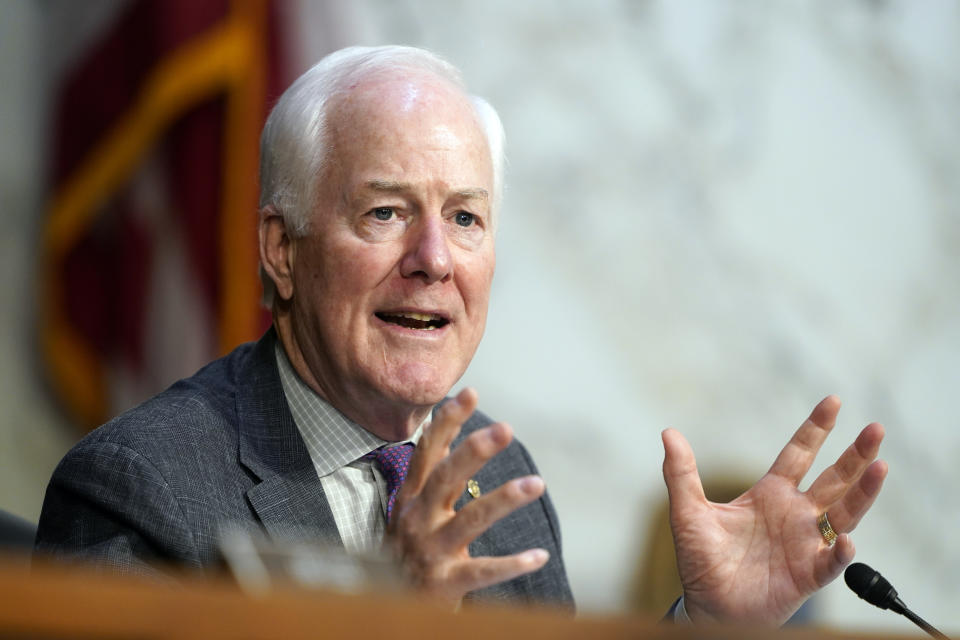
(276, 251)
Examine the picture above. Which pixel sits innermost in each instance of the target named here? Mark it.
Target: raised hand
(429, 537)
(756, 559)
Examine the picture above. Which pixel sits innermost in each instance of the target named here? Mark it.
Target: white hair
(294, 148)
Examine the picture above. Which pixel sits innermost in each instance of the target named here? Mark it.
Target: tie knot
(394, 463)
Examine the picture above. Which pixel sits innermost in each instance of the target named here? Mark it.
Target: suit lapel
(289, 498)
(292, 507)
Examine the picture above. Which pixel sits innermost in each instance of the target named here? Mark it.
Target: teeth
(423, 317)
(414, 320)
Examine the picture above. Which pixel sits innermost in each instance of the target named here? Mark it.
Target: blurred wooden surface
(53, 602)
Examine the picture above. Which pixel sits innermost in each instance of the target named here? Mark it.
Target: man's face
(392, 280)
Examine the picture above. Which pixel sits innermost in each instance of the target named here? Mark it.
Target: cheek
(352, 269)
(363, 271)
(476, 282)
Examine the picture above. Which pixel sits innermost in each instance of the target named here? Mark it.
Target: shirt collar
(332, 439)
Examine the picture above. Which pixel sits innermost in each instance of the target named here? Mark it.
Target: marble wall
(716, 214)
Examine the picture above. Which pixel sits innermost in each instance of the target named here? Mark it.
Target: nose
(428, 252)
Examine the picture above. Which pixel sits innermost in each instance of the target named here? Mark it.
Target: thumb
(680, 472)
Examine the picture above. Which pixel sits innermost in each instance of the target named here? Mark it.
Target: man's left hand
(757, 559)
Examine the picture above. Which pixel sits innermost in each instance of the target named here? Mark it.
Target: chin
(421, 385)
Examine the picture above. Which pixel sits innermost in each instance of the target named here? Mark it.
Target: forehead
(407, 122)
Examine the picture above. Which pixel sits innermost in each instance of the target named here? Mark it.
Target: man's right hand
(429, 537)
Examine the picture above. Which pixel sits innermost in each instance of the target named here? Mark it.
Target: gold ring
(473, 488)
(826, 530)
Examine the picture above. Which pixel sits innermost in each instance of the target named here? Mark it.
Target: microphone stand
(920, 622)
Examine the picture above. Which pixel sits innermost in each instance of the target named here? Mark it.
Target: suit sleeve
(110, 506)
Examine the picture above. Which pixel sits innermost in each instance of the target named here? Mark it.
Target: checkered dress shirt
(354, 487)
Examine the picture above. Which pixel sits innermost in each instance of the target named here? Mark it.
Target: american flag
(149, 259)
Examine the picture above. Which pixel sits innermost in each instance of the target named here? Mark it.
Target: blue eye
(383, 213)
(464, 219)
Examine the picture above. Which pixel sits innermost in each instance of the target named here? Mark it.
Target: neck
(387, 418)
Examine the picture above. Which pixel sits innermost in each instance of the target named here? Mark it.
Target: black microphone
(874, 588)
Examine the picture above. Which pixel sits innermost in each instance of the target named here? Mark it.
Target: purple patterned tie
(393, 463)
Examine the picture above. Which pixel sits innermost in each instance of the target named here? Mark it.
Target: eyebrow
(392, 186)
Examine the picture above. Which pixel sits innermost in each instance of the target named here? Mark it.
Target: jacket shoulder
(190, 409)
(151, 483)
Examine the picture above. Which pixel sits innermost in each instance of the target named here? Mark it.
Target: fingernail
(536, 556)
(531, 484)
(499, 434)
(493, 434)
(465, 392)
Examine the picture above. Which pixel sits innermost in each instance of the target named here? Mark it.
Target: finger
(450, 475)
(846, 514)
(837, 479)
(477, 573)
(477, 516)
(833, 560)
(795, 459)
(434, 444)
(680, 471)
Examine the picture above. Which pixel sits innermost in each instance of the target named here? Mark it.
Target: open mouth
(411, 320)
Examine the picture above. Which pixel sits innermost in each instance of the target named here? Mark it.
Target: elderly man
(381, 180)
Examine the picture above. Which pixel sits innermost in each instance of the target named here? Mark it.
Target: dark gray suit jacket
(154, 485)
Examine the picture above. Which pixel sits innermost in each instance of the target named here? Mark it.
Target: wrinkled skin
(401, 239)
(756, 559)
